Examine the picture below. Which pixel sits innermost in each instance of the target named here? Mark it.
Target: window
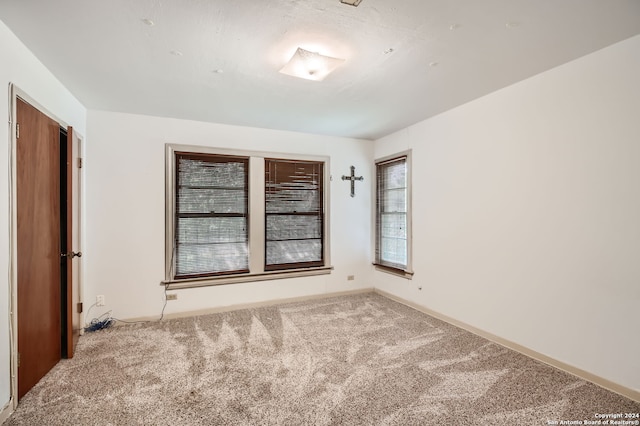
(211, 215)
(393, 220)
(293, 214)
(236, 216)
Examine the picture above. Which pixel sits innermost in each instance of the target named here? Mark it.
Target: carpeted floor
(353, 360)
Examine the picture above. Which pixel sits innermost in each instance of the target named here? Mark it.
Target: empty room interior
(320, 212)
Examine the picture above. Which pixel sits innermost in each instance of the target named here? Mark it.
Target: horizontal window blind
(211, 215)
(391, 217)
(294, 214)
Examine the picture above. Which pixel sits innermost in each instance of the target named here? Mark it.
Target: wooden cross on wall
(353, 178)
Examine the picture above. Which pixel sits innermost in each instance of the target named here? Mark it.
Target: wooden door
(38, 245)
(73, 249)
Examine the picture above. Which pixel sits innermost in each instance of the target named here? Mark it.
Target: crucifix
(353, 178)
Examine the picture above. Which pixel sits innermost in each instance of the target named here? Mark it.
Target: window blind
(293, 214)
(391, 217)
(211, 215)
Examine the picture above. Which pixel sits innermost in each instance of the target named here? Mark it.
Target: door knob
(71, 255)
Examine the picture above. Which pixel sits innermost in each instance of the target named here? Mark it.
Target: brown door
(74, 306)
(38, 245)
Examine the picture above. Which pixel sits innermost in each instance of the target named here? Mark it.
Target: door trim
(14, 93)
(74, 241)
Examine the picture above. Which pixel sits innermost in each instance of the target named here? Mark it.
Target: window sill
(394, 271)
(245, 278)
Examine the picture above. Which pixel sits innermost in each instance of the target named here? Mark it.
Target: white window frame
(256, 218)
(407, 272)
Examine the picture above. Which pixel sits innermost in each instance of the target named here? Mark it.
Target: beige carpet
(354, 360)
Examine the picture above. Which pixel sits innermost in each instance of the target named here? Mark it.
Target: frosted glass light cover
(310, 65)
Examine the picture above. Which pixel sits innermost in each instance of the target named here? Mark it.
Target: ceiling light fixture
(351, 2)
(310, 65)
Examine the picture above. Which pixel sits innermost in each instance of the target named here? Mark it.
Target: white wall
(20, 67)
(125, 179)
(527, 213)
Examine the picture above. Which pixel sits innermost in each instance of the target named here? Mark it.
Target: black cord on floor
(97, 324)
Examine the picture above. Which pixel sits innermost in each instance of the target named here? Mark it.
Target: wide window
(393, 222)
(237, 216)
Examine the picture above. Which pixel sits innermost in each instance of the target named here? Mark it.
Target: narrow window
(294, 214)
(211, 215)
(392, 215)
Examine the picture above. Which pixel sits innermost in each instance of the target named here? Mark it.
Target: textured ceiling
(218, 61)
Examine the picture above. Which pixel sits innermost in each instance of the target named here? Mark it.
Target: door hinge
(18, 359)
(79, 307)
(79, 163)
(17, 130)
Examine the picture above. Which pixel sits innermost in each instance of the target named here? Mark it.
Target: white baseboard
(582, 374)
(6, 411)
(248, 305)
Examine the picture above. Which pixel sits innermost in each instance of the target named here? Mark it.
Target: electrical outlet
(351, 277)
(172, 296)
(100, 300)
